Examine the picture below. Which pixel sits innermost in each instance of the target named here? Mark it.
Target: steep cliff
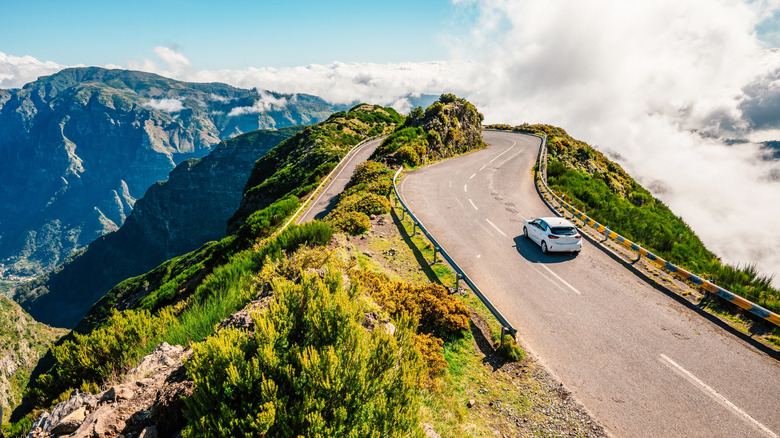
(79, 147)
(22, 342)
(173, 217)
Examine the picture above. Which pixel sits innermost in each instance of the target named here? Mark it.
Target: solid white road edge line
(561, 279)
(719, 397)
(494, 226)
(472, 204)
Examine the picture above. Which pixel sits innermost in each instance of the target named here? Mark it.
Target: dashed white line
(562, 280)
(494, 226)
(481, 168)
(473, 175)
(502, 153)
(465, 189)
(472, 204)
(461, 204)
(719, 397)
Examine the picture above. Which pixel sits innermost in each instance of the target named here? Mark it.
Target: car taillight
(578, 236)
(553, 236)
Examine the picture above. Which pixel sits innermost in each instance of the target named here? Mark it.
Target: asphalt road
(643, 364)
(329, 196)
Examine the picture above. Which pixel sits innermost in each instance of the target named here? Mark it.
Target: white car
(553, 234)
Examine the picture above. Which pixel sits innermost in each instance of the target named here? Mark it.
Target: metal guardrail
(461, 275)
(676, 271)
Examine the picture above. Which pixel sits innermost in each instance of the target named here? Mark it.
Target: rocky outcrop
(172, 218)
(453, 126)
(77, 148)
(147, 403)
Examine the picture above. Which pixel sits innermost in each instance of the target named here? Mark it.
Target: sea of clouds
(659, 86)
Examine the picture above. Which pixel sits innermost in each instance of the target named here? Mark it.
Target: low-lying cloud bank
(658, 85)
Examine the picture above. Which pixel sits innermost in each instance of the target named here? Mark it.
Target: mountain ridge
(78, 147)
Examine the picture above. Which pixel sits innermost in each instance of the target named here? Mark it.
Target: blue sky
(641, 80)
(230, 34)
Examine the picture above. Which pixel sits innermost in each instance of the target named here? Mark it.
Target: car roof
(557, 222)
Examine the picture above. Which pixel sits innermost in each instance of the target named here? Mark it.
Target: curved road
(642, 363)
(326, 200)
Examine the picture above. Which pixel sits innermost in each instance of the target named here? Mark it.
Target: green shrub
(263, 222)
(351, 222)
(432, 351)
(104, 353)
(366, 203)
(408, 156)
(437, 311)
(309, 369)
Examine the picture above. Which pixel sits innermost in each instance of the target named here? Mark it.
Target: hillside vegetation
(605, 192)
(293, 332)
(22, 342)
(185, 297)
(174, 217)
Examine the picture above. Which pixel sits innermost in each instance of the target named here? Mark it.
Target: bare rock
(117, 393)
(71, 422)
(471, 403)
(162, 357)
(129, 408)
(46, 422)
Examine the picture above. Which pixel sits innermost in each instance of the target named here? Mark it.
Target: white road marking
(502, 153)
(461, 204)
(561, 279)
(473, 175)
(465, 189)
(719, 397)
(494, 226)
(481, 168)
(472, 204)
(479, 255)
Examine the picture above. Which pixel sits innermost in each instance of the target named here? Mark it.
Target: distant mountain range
(77, 149)
(173, 217)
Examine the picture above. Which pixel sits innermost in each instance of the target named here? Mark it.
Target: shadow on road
(331, 205)
(533, 253)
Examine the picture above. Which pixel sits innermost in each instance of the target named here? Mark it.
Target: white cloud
(641, 79)
(266, 103)
(167, 105)
(16, 71)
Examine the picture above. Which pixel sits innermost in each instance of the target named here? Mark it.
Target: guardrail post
(504, 331)
(458, 277)
(436, 250)
(414, 229)
(606, 233)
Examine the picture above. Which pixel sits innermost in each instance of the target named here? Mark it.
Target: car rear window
(564, 231)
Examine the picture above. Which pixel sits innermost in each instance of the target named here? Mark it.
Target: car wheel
(525, 232)
(544, 247)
